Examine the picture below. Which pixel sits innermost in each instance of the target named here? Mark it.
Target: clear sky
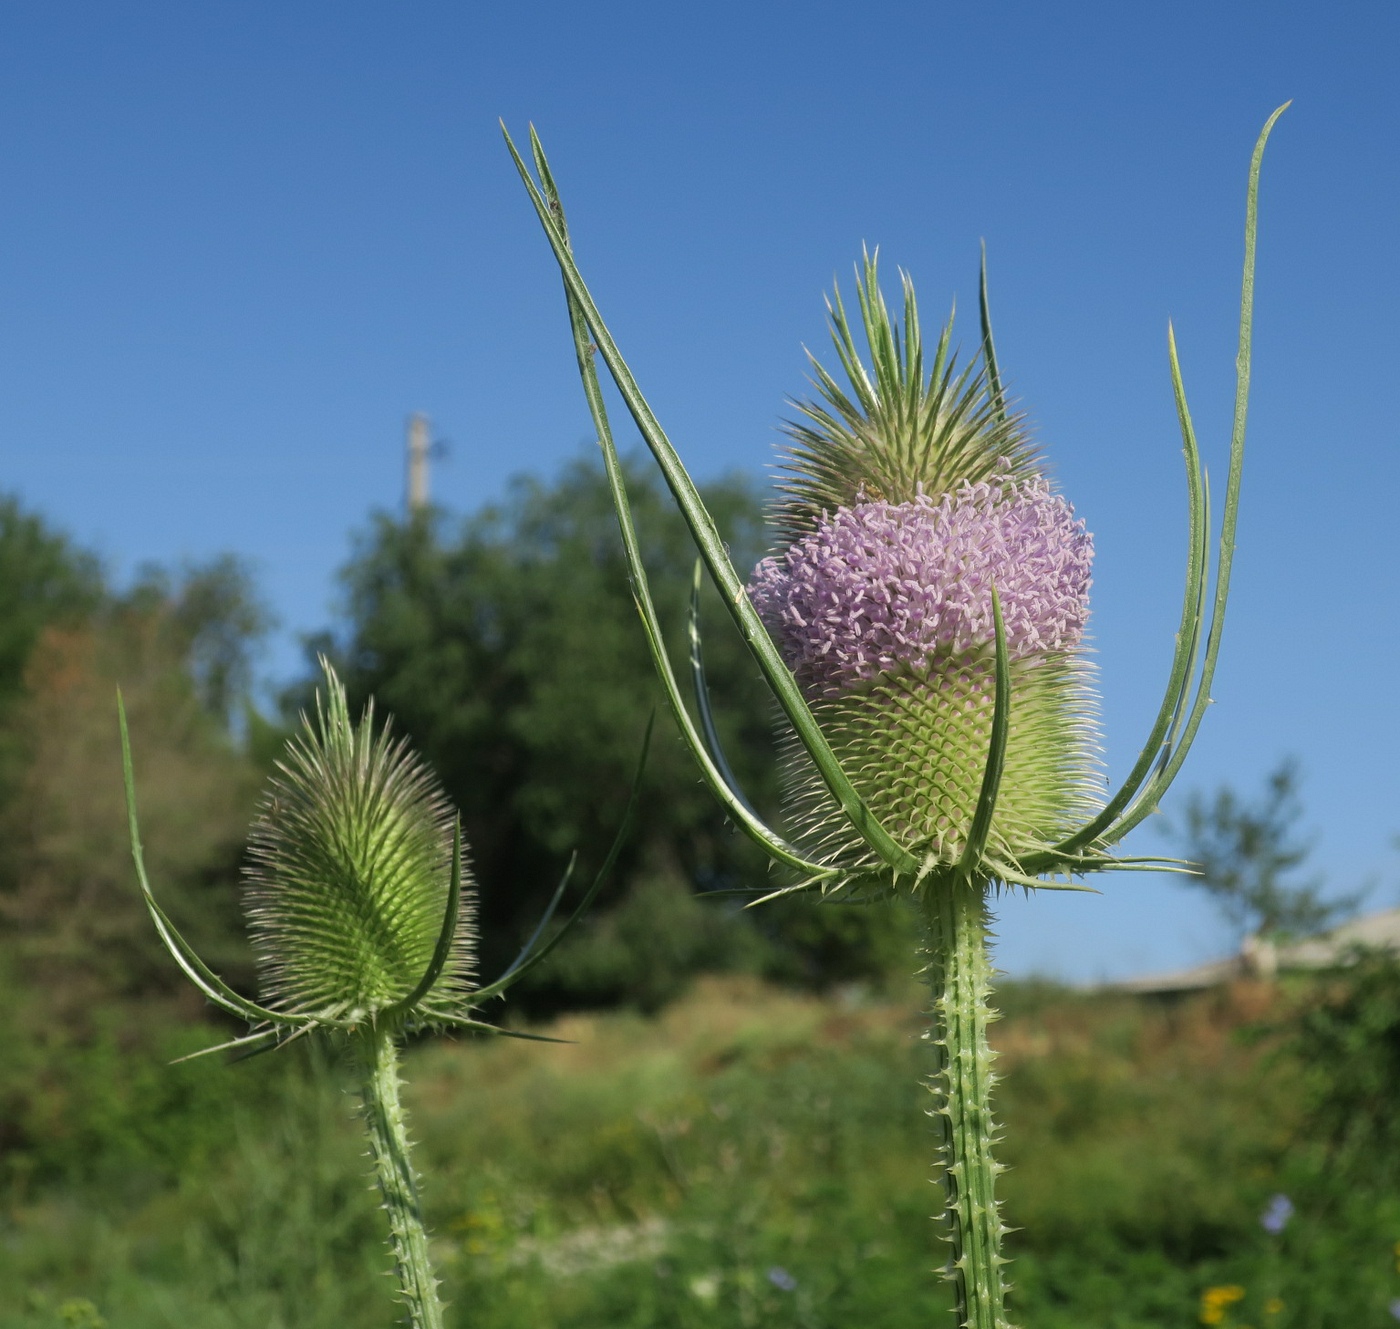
(240, 241)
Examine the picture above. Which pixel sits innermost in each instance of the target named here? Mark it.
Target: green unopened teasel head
(351, 866)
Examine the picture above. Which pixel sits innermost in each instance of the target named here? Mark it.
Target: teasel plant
(920, 626)
(362, 916)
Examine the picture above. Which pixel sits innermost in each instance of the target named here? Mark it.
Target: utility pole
(418, 445)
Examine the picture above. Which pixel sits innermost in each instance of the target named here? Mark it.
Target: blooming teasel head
(935, 448)
(908, 503)
(921, 629)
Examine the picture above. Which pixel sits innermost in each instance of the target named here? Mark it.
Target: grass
(747, 1157)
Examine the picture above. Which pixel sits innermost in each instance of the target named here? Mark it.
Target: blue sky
(239, 242)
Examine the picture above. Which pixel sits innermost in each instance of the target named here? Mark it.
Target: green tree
(1247, 854)
(1347, 1038)
(83, 981)
(213, 620)
(43, 579)
(72, 920)
(507, 648)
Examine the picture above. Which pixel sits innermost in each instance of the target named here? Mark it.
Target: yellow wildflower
(1215, 1302)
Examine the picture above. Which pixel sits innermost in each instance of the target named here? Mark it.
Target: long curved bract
(448, 931)
(205, 979)
(1109, 827)
(734, 804)
(981, 826)
(989, 351)
(584, 311)
(708, 730)
(1146, 805)
(1180, 675)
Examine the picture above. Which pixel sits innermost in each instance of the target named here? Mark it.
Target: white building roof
(1374, 932)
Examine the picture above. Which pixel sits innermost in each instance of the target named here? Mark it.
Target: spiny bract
(348, 887)
(904, 502)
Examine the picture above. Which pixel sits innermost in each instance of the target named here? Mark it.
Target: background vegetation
(751, 1156)
(734, 1136)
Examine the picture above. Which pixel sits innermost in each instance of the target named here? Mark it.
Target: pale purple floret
(879, 585)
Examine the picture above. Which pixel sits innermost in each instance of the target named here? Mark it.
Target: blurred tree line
(505, 644)
(179, 646)
(82, 977)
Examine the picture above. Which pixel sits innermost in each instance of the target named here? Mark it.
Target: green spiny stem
(959, 974)
(388, 1136)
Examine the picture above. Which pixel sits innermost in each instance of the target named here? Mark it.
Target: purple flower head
(1395, 1309)
(1276, 1214)
(781, 1279)
(880, 585)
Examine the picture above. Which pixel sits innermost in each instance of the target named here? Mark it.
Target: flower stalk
(958, 969)
(362, 912)
(387, 1127)
(920, 630)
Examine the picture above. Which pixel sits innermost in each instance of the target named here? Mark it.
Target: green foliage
(1348, 1038)
(214, 621)
(71, 921)
(651, 943)
(43, 580)
(508, 650)
(105, 1106)
(84, 984)
(274, 1229)
(1246, 853)
(747, 1157)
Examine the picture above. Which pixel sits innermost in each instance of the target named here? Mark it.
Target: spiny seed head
(351, 859)
(907, 498)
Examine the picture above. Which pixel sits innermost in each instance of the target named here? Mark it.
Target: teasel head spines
(881, 603)
(920, 763)
(361, 909)
(350, 874)
(899, 428)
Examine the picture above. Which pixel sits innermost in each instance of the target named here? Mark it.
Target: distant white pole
(417, 462)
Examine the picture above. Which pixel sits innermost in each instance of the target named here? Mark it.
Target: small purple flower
(879, 585)
(1276, 1215)
(1395, 1309)
(781, 1279)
